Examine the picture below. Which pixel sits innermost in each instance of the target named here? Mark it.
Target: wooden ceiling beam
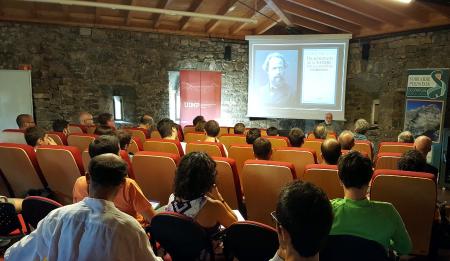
(211, 25)
(252, 14)
(184, 22)
(338, 12)
(296, 20)
(266, 25)
(157, 17)
(367, 8)
(279, 12)
(435, 7)
(317, 17)
(129, 14)
(412, 11)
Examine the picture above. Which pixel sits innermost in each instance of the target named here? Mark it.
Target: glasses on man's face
(274, 218)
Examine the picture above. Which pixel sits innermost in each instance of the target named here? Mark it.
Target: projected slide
(297, 77)
(319, 75)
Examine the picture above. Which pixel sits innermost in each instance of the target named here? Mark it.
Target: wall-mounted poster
(424, 117)
(428, 84)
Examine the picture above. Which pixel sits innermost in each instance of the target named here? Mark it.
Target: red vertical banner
(200, 94)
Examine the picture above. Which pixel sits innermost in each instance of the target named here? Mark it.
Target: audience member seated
(130, 198)
(320, 132)
(146, 122)
(347, 140)
(331, 151)
(303, 219)
(330, 125)
(25, 121)
(124, 137)
(239, 128)
(106, 119)
(361, 128)
(355, 215)
(61, 126)
(262, 149)
(196, 195)
(35, 136)
(423, 145)
(296, 137)
(197, 119)
(86, 119)
(167, 129)
(92, 229)
(200, 126)
(104, 130)
(252, 135)
(212, 130)
(405, 137)
(272, 131)
(412, 160)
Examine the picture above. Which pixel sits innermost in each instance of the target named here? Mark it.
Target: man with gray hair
(330, 125)
(405, 137)
(276, 91)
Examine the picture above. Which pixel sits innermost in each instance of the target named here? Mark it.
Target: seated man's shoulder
(337, 202)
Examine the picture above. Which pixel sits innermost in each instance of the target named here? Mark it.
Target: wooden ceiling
(359, 17)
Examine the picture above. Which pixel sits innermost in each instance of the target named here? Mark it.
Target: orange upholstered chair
(263, 132)
(13, 136)
(223, 131)
(413, 194)
(240, 153)
(364, 146)
(278, 141)
(155, 135)
(61, 166)
(331, 135)
(81, 141)
(155, 172)
(213, 149)
(86, 158)
(343, 152)
(19, 166)
(387, 160)
(138, 132)
(188, 129)
(300, 157)
(135, 145)
(58, 137)
(262, 182)
(314, 144)
(164, 145)
(76, 128)
(194, 136)
(228, 182)
(398, 147)
(228, 139)
(326, 177)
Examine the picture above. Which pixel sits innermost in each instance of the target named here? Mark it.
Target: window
(174, 95)
(118, 108)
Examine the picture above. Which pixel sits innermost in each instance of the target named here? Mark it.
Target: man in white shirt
(92, 229)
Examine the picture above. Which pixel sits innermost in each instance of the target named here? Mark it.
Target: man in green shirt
(355, 215)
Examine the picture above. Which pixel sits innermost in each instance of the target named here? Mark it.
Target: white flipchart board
(15, 96)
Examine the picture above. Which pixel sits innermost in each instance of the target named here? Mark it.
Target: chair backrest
(314, 144)
(124, 155)
(213, 149)
(180, 236)
(228, 182)
(188, 129)
(85, 158)
(364, 146)
(58, 137)
(240, 153)
(228, 139)
(138, 133)
(155, 135)
(326, 177)
(80, 140)
(387, 160)
(364, 154)
(135, 145)
(300, 157)
(35, 208)
(194, 136)
(413, 194)
(262, 181)
(61, 166)
(223, 131)
(76, 129)
(155, 172)
(278, 141)
(19, 165)
(13, 136)
(248, 241)
(164, 145)
(263, 132)
(347, 247)
(398, 147)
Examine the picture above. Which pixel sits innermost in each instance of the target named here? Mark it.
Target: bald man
(347, 140)
(146, 122)
(331, 151)
(86, 119)
(423, 145)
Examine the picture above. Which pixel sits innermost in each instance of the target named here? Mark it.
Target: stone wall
(80, 69)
